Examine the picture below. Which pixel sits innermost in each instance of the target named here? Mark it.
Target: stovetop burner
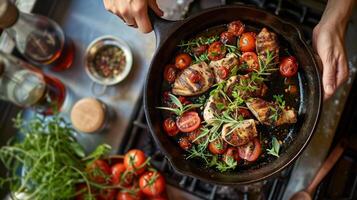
(138, 135)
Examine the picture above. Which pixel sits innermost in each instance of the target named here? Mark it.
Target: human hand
(328, 41)
(134, 12)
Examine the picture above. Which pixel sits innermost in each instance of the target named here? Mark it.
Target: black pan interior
(310, 89)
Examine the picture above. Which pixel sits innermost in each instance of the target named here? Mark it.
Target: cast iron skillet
(168, 35)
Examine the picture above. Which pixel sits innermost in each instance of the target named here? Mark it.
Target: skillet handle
(162, 27)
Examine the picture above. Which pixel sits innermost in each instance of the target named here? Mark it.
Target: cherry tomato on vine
(134, 160)
(152, 183)
(99, 171)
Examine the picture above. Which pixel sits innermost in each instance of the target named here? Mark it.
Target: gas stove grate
(138, 136)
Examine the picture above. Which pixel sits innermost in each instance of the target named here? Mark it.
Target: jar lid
(88, 115)
(8, 14)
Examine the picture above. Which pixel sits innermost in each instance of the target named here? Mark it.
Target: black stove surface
(138, 135)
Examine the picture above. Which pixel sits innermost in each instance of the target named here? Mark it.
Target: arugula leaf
(274, 151)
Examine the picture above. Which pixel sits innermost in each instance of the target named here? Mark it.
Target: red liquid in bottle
(53, 97)
(47, 49)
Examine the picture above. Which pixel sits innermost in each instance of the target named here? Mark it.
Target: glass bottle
(38, 38)
(26, 86)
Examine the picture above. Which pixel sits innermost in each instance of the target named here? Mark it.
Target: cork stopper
(88, 115)
(8, 14)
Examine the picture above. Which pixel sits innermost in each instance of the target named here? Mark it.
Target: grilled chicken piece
(228, 62)
(240, 83)
(211, 110)
(269, 113)
(242, 134)
(267, 41)
(194, 80)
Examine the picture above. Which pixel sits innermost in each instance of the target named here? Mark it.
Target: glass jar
(38, 38)
(26, 86)
(90, 115)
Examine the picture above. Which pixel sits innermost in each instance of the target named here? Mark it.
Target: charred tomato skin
(217, 147)
(251, 59)
(134, 160)
(216, 51)
(170, 127)
(170, 73)
(231, 152)
(223, 72)
(288, 66)
(227, 38)
(152, 183)
(250, 151)
(188, 122)
(199, 50)
(182, 61)
(236, 27)
(185, 143)
(247, 42)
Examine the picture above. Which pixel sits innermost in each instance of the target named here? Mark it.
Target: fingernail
(329, 89)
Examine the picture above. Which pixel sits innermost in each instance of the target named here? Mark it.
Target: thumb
(153, 5)
(329, 78)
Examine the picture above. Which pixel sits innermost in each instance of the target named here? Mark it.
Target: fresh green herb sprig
(279, 99)
(275, 148)
(50, 160)
(180, 108)
(233, 49)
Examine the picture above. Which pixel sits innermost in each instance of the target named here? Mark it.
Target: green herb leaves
(279, 100)
(275, 147)
(51, 162)
(179, 107)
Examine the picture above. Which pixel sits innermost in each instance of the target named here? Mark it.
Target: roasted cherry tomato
(236, 27)
(185, 143)
(99, 171)
(244, 112)
(152, 184)
(199, 50)
(184, 101)
(134, 160)
(170, 127)
(223, 72)
(218, 146)
(189, 121)
(247, 42)
(117, 173)
(216, 51)
(192, 136)
(183, 60)
(227, 38)
(251, 60)
(106, 194)
(288, 66)
(195, 77)
(130, 196)
(250, 151)
(170, 73)
(231, 153)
